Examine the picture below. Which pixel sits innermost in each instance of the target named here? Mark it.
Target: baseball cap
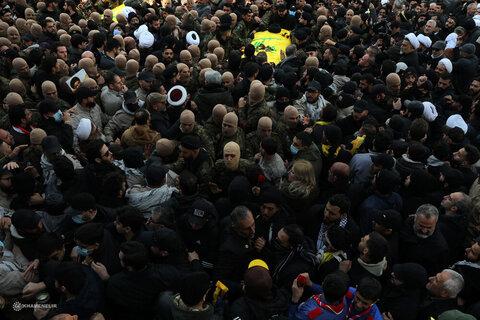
(200, 212)
(314, 86)
(146, 76)
(51, 145)
(390, 219)
(81, 202)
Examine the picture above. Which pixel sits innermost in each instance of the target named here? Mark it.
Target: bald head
(339, 171)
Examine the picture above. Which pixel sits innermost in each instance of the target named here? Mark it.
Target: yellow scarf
(326, 148)
(326, 257)
(322, 123)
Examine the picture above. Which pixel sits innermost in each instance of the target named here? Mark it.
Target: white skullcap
(429, 111)
(426, 41)
(456, 120)
(401, 66)
(137, 33)
(413, 40)
(84, 129)
(447, 63)
(146, 40)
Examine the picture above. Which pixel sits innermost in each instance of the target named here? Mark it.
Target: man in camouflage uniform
(188, 126)
(194, 159)
(224, 36)
(213, 125)
(230, 132)
(252, 110)
(288, 127)
(227, 168)
(253, 139)
(240, 35)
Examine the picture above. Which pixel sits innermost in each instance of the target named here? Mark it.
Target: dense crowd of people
(155, 164)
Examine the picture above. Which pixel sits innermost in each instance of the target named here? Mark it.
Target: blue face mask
(58, 116)
(293, 150)
(82, 251)
(78, 219)
(115, 32)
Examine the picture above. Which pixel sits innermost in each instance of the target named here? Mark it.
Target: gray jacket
(121, 121)
(111, 100)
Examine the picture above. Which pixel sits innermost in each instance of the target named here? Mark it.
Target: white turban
(451, 40)
(137, 33)
(426, 41)
(84, 129)
(456, 120)
(146, 40)
(413, 40)
(447, 63)
(429, 111)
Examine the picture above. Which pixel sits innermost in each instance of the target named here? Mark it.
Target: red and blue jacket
(317, 308)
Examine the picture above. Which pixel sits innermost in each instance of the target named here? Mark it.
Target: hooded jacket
(247, 308)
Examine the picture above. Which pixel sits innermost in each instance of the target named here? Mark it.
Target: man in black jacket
(272, 217)
(422, 242)
(470, 270)
(56, 123)
(84, 209)
(212, 94)
(408, 48)
(198, 228)
(236, 251)
(132, 292)
(334, 212)
(442, 289)
(100, 163)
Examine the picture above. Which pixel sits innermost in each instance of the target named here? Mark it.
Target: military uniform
(249, 115)
(206, 37)
(207, 142)
(238, 137)
(132, 83)
(201, 167)
(253, 141)
(226, 45)
(286, 134)
(222, 176)
(240, 35)
(212, 129)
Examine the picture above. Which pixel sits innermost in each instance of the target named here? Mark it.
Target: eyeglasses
(8, 178)
(106, 153)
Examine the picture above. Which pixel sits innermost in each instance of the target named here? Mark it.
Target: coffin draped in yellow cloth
(272, 43)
